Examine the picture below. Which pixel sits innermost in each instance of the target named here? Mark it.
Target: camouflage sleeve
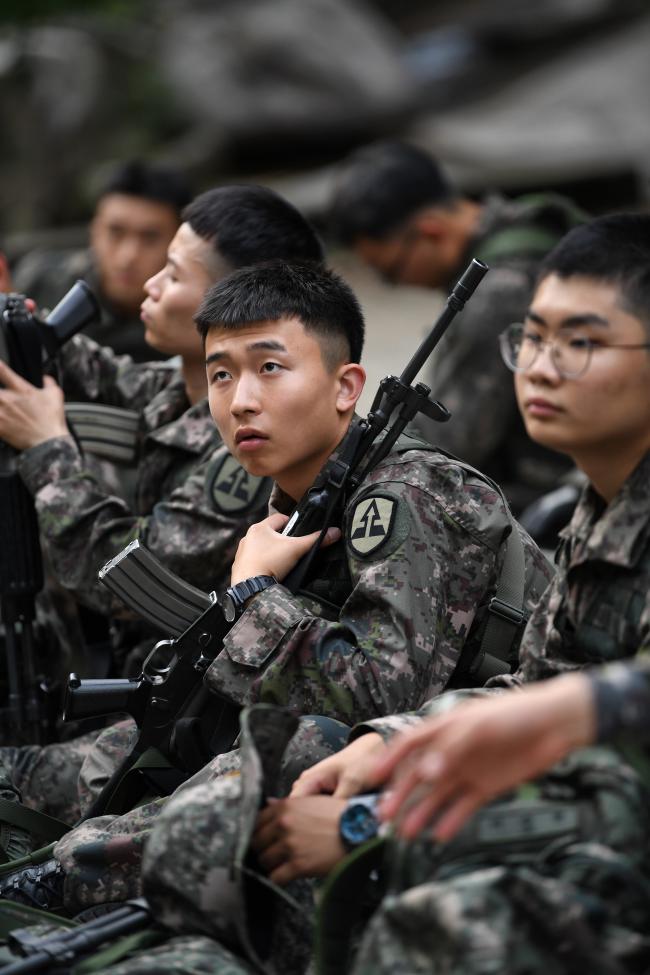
(83, 527)
(416, 584)
(622, 698)
(389, 726)
(468, 374)
(91, 372)
(393, 724)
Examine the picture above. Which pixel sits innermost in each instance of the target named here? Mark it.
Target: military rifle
(179, 730)
(61, 949)
(27, 344)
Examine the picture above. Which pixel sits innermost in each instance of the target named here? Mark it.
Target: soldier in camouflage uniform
(385, 612)
(528, 887)
(192, 500)
(509, 891)
(396, 208)
(136, 215)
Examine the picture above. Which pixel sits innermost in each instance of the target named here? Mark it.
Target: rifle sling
(152, 773)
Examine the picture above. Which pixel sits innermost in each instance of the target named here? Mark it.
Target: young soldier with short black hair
(191, 500)
(392, 599)
(395, 206)
(544, 887)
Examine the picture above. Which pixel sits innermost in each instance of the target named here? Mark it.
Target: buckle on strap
(506, 612)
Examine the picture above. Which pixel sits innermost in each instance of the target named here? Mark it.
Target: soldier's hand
(299, 837)
(29, 415)
(264, 551)
(445, 769)
(347, 773)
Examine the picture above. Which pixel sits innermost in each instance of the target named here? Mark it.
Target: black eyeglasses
(570, 353)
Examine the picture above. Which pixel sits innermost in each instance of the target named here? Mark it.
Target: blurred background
(511, 96)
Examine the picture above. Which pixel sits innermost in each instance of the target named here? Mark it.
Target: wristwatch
(358, 822)
(235, 598)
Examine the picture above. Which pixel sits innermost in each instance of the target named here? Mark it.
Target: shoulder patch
(378, 522)
(231, 489)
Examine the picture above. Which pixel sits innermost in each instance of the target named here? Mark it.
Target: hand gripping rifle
(177, 716)
(26, 344)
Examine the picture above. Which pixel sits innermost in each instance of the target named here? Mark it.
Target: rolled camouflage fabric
(197, 873)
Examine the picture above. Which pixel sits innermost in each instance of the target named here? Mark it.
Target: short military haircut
(381, 186)
(614, 249)
(248, 224)
(161, 184)
(314, 295)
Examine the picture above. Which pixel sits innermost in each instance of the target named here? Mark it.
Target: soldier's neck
(196, 384)
(609, 468)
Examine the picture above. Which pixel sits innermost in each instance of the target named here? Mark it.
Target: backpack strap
(506, 612)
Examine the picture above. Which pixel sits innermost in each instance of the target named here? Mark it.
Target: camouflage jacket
(597, 607)
(622, 695)
(192, 501)
(422, 549)
(468, 374)
(46, 275)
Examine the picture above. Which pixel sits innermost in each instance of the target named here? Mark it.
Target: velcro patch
(373, 525)
(231, 489)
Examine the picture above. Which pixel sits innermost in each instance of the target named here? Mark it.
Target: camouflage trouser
(47, 776)
(102, 857)
(555, 879)
(188, 955)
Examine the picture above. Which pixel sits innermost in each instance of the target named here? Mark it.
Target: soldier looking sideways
(192, 501)
(400, 590)
(582, 365)
(396, 208)
(137, 212)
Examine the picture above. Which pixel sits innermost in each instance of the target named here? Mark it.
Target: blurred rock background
(513, 95)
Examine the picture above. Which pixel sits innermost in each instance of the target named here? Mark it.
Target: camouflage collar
(615, 533)
(169, 421)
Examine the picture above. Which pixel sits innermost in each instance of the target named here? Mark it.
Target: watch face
(229, 608)
(358, 824)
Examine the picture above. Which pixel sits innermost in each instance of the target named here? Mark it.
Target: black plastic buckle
(505, 611)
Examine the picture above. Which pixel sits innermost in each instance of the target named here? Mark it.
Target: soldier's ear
(351, 378)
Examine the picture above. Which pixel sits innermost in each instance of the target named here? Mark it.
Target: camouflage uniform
(597, 607)
(422, 542)
(554, 878)
(378, 627)
(579, 899)
(468, 374)
(46, 276)
(192, 502)
(622, 695)
(192, 505)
